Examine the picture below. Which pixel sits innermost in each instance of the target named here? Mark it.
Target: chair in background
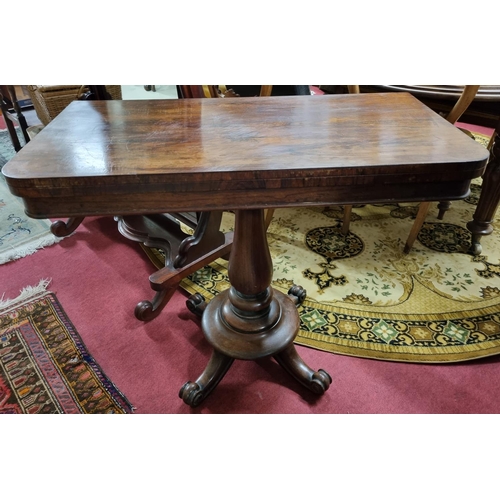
(464, 101)
(44, 104)
(18, 112)
(453, 116)
(489, 199)
(216, 91)
(483, 111)
(50, 100)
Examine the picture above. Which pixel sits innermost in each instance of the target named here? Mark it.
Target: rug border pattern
(63, 395)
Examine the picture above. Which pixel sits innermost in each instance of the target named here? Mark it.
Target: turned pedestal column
(251, 320)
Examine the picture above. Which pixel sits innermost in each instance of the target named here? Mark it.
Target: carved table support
(251, 320)
(61, 228)
(481, 225)
(184, 254)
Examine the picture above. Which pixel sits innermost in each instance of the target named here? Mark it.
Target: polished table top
(144, 157)
(132, 157)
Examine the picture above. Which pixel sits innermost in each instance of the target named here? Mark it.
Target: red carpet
(98, 276)
(475, 128)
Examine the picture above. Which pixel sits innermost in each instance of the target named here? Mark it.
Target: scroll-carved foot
(147, 310)
(61, 228)
(193, 393)
(297, 294)
(196, 304)
(317, 382)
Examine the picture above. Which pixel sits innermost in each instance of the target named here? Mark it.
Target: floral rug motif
(19, 234)
(44, 365)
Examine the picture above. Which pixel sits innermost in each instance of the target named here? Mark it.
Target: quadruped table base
(140, 158)
(251, 320)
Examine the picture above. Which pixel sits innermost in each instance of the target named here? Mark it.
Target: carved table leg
(167, 280)
(289, 359)
(60, 228)
(488, 200)
(146, 310)
(193, 393)
(251, 320)
(196, 304)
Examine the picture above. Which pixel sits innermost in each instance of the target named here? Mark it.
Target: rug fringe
(29, 248)
(25, 294)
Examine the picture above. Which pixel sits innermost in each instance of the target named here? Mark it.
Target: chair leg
(417, 225)
(466, 98)
(268, 217)
(347, 219)
(443, 207)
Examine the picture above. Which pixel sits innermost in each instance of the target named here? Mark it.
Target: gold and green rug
(366, 298)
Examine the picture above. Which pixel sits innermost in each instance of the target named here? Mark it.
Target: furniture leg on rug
(243, 155)
(61, 228)
(481, 225)
(184, 254)
(465, 99)
(251, 320)
(460, 107)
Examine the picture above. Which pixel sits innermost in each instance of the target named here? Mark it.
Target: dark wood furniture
(453, 102)
(464, 99)
(246, 155)
(482, 222)
(17, 112)
(184, 253)
(463, 102)
(484, 109)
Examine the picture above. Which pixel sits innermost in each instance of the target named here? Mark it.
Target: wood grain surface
(108, 157)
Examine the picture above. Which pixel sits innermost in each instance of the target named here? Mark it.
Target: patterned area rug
(19, 235)
(366, 298)
(44, 365)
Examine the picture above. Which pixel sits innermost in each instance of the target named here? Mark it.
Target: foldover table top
(108, 157)
(146, 157)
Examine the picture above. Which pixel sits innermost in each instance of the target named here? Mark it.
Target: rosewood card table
(149, 157)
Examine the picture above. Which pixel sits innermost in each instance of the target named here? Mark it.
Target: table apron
(131, 203)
